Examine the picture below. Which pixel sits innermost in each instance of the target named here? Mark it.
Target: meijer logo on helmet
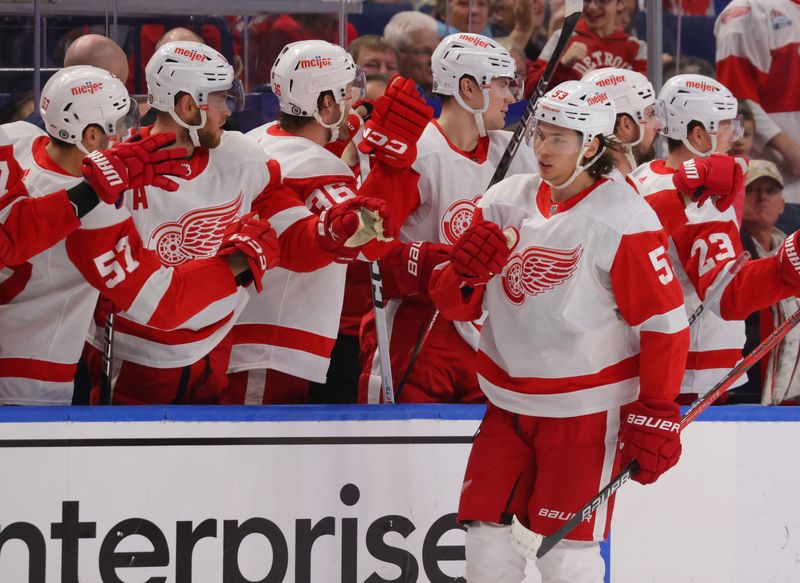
(478, 42)
(701, 85)
(192, 54)
(317, 62)
(88, 87)
(613, 80)
(599, 98)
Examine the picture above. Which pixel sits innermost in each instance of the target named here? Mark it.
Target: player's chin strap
(579, 168)
(697, 152)
(334, 127)
(192, 129)
(629, 157)
(478, 113)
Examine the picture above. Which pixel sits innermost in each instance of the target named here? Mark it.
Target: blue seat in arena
(697, 35)
(374, 17)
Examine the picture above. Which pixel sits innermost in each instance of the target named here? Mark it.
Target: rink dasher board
(376, 485)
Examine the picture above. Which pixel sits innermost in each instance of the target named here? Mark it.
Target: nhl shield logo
(457, 218)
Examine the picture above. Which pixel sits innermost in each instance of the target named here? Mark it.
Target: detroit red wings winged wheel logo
(457, 218)
(537, 270)
(197, 234)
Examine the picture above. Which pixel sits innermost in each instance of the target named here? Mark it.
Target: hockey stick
(714, 294)
(572, 12)
(535, 546)
(106, 390)
(381, 328)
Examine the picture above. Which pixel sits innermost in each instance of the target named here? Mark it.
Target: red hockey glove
(398, 120)
(257, 240)
(106, 174)
(148, 164)
(650, 434)
(480, 253)
(346, 226)
(413, 268)
(789, 260)
(718, 176)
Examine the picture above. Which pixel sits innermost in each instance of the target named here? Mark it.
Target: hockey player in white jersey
(192, 87)
(433, 189)
(47, 301)
(701, 122)
(281, 345)
(584, 340)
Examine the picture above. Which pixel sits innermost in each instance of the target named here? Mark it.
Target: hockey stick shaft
(106, 389)
(382, 332)
(696, 409)
(572, 12)
(381, 328)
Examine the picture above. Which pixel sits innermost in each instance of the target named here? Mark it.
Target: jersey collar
(549, 207)
(478, 155)
(660, 167)
(43, 159)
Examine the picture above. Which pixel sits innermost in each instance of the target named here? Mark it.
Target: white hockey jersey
(293, 326)
(587, 314)
(46, 303)
(189, 224)
(449, 185)
(699, 251)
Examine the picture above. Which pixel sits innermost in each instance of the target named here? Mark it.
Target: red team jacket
(618, 49)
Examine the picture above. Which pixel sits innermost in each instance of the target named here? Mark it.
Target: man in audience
(374, 55)
(98, 51)
(776, 379)
(414, 37)
(463, 16)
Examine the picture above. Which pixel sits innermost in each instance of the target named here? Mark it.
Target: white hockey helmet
(687, 98)
(479, 57)
(582, 107)
(632, 93)
(193, 68)
(76, 97)
(306, 68)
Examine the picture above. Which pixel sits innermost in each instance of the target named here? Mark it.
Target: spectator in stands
(690, 7)
(18, 108)
(376, 86)
(98, 51)
(776, 379)
(743, 145)
(522, 21)
(462, 16)
(179, 34)
(688, 66)
(269, 34)
(414, 37)
(596, 42)
(374, 55)
(758, 44)
(626, 15)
